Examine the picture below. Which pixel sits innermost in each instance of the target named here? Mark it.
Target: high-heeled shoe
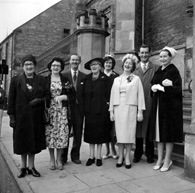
(163, 169)
(90, 161)
(59, 167)
(33, 172)
(22, 173)
(157, 167)
(128, 166)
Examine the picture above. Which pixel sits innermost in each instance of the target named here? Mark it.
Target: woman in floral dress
(57, 132)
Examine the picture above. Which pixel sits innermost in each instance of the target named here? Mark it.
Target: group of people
(143, 103)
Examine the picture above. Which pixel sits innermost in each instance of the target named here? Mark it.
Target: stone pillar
(91, 33)
(125, 25)
(189, 159)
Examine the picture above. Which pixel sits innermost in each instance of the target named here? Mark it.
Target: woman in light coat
(126, 108)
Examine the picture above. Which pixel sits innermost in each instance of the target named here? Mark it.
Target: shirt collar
(72, 72)
(146, 64)
(108, 74)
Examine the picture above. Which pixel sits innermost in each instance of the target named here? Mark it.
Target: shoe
(128, 166)
(156, 167)
(52, 167)
(76, 161)
(163, 169)
(136, 160)
(90, 161)
(33, 172)
(22, 173)
(105, 156)
(99, 162)
(150, 160)
(115, 156)
(60, 167)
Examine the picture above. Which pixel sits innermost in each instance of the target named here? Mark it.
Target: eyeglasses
(55, 65)
(28, 64)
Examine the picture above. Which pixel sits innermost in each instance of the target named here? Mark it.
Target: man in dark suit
(145, 70)
(75, 76)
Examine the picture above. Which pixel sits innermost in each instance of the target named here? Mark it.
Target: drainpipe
(143, 13)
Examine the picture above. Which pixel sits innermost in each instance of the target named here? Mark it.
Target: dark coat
(146, 78)
(96, 96)
(29, 133)
(169, 105)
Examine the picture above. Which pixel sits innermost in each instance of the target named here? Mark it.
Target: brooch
(129, 78)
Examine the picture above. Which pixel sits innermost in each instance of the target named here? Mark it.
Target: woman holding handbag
(57, 132)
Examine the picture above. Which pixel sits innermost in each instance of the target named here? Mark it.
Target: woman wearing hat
(96, 93)
(166, 118)
(57, 132)
(26, 103)
(126, 108)
(109, 64)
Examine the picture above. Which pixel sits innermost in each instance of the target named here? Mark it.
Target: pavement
(141, 178)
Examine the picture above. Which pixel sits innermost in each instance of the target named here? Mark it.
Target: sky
(14, 13)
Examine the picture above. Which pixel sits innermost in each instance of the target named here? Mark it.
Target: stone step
(187, 111)
(186, 119)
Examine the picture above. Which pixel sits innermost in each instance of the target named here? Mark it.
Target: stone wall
(166, 23)
(44, 30)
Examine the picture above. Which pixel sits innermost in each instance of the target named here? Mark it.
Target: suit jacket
(134, 93)
(146, 78)
(78, 91)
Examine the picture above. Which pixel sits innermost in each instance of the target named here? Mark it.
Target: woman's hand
(112, 115)
(140, 116)
(61, 98)
(167, 82)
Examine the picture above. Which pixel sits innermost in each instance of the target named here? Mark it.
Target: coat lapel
(22, 83)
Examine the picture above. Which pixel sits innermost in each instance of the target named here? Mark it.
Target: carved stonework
(92, 19)
(189, 10)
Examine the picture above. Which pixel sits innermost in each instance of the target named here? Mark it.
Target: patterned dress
(57, 132)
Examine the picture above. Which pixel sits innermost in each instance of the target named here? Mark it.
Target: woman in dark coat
(26, 103)
(57, 132)
(109, 64)
(167, 118)
(96, 94)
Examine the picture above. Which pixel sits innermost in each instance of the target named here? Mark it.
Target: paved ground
(141, 178)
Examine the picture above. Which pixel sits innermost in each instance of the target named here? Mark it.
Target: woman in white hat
(166, 118)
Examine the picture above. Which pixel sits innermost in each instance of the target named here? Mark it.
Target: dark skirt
(97, 128)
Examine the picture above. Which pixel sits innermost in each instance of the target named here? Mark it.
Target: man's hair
(75, 54)
(145, 46)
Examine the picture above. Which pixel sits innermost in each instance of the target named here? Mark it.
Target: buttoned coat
(29, 133)
(146, 78)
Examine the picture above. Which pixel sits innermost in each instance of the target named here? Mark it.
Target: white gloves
(156, 87)
(167, 82)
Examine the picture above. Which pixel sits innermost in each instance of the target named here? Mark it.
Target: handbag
(46, 117)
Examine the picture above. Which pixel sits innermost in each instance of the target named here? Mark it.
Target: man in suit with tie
(75, 77)
(145, 70)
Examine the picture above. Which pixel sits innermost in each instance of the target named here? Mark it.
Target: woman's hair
(133, 59)
(57, 59)
(106, 58)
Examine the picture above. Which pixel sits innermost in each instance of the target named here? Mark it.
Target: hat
(130, 56)
(107, 57)
(172, 51)
(29, 57)
(87, 65)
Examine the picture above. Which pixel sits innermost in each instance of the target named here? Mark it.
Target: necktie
(144, 68)
(74, 76)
